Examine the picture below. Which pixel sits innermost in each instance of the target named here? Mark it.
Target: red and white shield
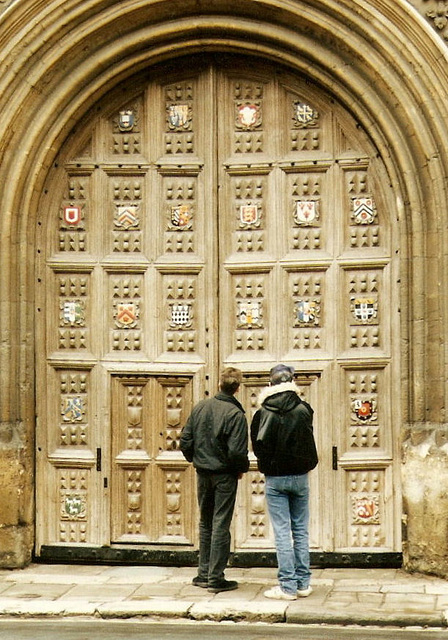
(306, 211)
(248, 214)
(72, 215)
(249, 115)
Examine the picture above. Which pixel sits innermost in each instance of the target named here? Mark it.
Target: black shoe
(200, 582)
(223, 585)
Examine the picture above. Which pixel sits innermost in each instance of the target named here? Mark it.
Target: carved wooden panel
(126, 313)
(179, 118)
(74, 408)
(74, 313)
(125, 130)
(148, 415)
(251, 319)
(305, 125)
(308, 209)
(306, 313)
(248, 134)
(366, 509)
(181, 214)
(364, 230)
(127, 212)
(252, 524)
(249, 201)
(367, 412)
(364, 307)
(75, 515)
(75, 212)
(180, 327)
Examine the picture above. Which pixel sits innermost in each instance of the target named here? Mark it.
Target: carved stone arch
(379, 58)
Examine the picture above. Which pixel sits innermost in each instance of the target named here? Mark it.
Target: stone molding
(436, 13)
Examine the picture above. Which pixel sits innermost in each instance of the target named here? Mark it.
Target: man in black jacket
(215, 439)
(283, 442)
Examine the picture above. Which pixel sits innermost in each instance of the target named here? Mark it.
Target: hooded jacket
(215, 437)
(282, 432)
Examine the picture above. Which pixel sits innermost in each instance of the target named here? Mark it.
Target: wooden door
(217, 213)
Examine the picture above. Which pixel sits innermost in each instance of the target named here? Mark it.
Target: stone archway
(60, 57)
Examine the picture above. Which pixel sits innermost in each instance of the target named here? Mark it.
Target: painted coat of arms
(181, 216)
(249, 214)
(365, 310)
(363, 409)
(249, 314)
(73, 313)
(73, 507)
(366, 509)
(72, 409)
(248, 116)
(180, 315)
(307, 312)
(178, 116)
(304, 115)
(71, 215)
(127, 216)
(126, 120)
(306, 211)
(363, 210)
(126, 314)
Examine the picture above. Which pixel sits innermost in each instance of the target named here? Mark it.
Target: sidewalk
(384, 597)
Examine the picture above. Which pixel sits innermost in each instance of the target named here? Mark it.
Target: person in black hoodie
(283, 442)
(215, 438)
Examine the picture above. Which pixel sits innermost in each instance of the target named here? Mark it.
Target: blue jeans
(287, 498)
(216, 497)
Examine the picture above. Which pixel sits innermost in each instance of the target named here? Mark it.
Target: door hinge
(335, 458)
(98, 459)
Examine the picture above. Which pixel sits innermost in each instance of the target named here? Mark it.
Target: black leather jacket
(215, 437)
(282, 432)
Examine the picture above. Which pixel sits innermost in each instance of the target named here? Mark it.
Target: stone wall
(425, 499)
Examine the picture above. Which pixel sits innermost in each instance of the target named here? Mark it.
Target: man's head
(281, 373)
(230, 380)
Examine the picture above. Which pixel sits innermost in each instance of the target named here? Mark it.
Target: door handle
(335, 458)
(98, 459)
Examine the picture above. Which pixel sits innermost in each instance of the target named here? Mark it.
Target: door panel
(253, 530)
(147, 416)
(218, 213)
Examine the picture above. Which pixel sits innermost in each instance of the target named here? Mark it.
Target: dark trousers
(216, 497)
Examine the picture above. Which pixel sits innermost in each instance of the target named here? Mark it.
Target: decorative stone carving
(436, 12)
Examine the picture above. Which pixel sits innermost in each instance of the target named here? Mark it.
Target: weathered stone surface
(436, 13)
(425, 497)
(10, 480)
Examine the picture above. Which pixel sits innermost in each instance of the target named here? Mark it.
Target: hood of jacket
(280, 398)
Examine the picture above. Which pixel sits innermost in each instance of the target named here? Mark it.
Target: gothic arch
(380, 60)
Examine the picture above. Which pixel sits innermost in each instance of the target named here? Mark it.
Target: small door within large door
(218, 213)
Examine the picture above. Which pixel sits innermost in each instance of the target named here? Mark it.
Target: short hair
(230, 379)
(281, 373)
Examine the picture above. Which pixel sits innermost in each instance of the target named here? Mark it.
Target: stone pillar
(425, 499)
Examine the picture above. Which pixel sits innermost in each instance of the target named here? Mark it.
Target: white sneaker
(276, 593)
(303, 593)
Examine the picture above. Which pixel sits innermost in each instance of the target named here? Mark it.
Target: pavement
(379, 597)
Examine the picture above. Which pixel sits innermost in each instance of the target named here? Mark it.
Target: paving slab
(158, 608)
(341, 596)
(100, 593)
(32, 590)
(250, 611)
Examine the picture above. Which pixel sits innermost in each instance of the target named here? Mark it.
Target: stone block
(10, 481)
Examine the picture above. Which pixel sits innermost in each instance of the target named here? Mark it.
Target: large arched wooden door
(218, 211)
